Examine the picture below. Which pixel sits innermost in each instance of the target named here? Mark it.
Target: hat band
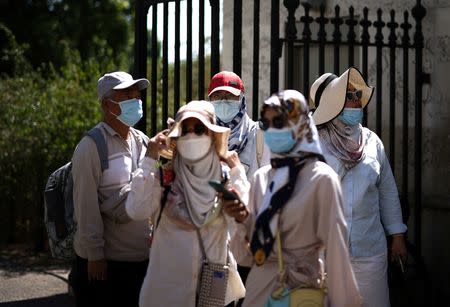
(322, 88)
(205, 114)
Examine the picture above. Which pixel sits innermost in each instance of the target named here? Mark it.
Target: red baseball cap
(226, 81)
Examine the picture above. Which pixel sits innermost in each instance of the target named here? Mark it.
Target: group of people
(312, 200)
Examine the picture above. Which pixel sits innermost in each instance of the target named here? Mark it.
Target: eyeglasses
(350, 95)
(223, 96)
(199, 129)
(277, 122)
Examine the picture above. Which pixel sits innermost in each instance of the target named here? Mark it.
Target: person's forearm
(145, 194)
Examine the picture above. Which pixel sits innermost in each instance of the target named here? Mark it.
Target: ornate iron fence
(359, 35)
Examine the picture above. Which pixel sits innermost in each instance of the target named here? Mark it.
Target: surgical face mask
(193, 147)
(351, 116)
(226, 110)
(279, 140)
(131, 111)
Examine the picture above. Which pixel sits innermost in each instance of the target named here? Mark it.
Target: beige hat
(328, 93)
(203, 111)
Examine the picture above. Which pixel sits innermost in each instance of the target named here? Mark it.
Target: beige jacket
(311, 222)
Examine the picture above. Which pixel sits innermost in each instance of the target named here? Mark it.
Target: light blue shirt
(371, 205)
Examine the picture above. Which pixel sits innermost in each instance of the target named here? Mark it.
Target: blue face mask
(131, 111)
(351, 116)
(226, 110)
(279, 140)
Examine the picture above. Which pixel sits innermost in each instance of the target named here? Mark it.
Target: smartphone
(219, 187)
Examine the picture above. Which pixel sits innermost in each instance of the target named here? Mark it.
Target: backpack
(58, 200)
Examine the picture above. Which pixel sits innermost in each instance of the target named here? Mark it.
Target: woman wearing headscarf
(295, 201)
(371, 204)
(227, 94)
(191, 226)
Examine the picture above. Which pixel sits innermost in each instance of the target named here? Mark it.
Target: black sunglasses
(351, 95)
(199, 129)
(277, 122)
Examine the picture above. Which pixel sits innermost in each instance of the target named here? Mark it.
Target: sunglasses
(278, 122)
(350, 95)
(199, 129)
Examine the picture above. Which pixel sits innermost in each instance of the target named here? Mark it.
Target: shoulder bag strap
(202, 247)
(259, 146)
(281, 269)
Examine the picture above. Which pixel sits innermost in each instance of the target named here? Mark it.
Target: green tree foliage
(42, 117)
(52, 53)
(97, 29)
(12, 59)
(51, 56)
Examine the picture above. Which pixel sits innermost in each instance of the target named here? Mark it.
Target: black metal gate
(357, 27)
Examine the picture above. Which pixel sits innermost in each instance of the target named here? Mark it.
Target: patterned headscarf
(345, 142)
(292, 104)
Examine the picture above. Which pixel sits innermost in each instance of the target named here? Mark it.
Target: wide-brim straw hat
(204, 112)
(328, 94)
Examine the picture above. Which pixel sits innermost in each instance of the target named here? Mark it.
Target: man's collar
(109, 129)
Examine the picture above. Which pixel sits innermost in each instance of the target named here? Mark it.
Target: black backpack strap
(102, 149)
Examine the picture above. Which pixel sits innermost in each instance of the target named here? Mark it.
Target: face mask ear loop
(117, 103)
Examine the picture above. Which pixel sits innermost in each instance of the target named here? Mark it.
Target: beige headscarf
(192, 201)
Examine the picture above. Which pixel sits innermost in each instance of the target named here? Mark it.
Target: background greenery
(52, 53)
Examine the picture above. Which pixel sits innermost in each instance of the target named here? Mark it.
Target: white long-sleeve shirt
(371, 204)
(175, 256)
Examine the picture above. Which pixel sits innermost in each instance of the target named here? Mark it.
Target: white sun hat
(328, 94)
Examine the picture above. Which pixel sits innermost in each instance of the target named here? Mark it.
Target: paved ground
(30, 279)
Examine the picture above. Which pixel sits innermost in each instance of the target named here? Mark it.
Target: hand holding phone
(220, 188)
(232, 204)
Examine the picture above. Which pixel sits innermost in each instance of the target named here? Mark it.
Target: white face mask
(193, 147)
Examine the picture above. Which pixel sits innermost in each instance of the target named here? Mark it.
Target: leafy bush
(12, 59)
(43, 114)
